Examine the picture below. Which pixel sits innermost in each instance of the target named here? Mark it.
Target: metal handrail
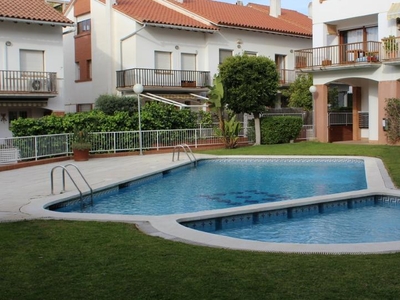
(184, 146)
(64, 168)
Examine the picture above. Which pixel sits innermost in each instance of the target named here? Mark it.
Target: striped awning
(23, 103)
(394, 11)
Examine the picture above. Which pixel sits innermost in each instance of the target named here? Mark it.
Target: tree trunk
(257, 129)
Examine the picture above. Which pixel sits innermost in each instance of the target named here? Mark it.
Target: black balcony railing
(162, 78)
(340, 55)
(27, 82)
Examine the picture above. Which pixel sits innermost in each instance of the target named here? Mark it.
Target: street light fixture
(313, 90)
(138, 89)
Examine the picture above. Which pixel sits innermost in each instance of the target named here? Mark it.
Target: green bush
(280, 129)
(154, 116)
(110, 104)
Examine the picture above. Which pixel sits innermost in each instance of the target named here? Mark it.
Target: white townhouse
(171, 47)
(351, 48)
(31, 61)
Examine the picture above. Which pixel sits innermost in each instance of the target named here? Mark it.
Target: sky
(299, 5)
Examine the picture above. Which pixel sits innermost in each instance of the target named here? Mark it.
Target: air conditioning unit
(38, 85)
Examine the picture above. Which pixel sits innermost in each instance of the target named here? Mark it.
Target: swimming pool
(223, 183)
(169, 226)
(359, 220)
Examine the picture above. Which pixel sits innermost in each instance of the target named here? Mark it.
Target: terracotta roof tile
(252, 16)
(149, 11)
(35, 10)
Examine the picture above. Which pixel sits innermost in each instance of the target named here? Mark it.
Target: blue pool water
(223, 183)
(378, 223)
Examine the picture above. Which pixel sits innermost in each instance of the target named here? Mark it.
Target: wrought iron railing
(162, 78)
(340, 118)
(28, 82)
(340, 55)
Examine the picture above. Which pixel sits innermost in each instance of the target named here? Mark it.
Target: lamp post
(138, 89)
(312, 90)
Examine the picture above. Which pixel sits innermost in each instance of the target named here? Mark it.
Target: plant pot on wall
(81, 145)
(81, 154)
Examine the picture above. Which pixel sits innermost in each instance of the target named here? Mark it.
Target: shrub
(280, 129)
(392, 110)
(154, 116)
(110, 104)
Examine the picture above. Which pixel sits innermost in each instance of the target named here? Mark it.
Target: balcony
(158, 79)
(286, 76)
(28, 84)
(353, 55)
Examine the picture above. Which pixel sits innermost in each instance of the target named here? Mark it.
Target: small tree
(215, 101)
(299, 94)
(392, 110)
(250, 85)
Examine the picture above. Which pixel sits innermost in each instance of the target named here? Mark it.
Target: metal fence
(44, 146)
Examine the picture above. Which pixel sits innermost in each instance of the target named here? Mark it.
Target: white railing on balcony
(27, 82)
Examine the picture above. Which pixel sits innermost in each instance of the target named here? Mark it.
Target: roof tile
(252, 16)
(149, 11)
(35, 10)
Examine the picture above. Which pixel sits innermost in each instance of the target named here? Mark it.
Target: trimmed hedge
(154, 116)
(280, 129)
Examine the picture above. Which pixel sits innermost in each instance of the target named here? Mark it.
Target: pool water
(224, 183)
(369, 224)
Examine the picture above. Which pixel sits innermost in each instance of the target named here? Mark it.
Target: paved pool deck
(26, 191)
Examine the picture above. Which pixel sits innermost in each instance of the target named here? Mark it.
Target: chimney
(275, 8)
(238, 2)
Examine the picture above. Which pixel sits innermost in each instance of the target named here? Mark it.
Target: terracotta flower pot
(81, 154)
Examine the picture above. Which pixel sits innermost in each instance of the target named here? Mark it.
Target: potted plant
(371, 56)
(81, 145)
(391, 46)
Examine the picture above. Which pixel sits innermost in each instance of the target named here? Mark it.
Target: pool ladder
(188, 152)
(64, 168)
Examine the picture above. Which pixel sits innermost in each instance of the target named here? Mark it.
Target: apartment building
(171, 47)
(31, 60)
(355, 44)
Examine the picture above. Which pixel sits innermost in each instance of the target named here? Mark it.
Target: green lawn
(89, 260)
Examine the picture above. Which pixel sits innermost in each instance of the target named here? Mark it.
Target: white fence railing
(45, 146)
(41, 146)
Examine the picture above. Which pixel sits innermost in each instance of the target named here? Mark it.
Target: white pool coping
(168, 227)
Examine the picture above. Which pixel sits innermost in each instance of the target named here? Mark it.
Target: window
(31, 60)
(83, 107)
(250, 53)
(162, 60)
(89, 68)
(223, 54)
(280, 65)
(14, 115)
(359, 41)
(77, 71)
(188, 61)
(84, 26)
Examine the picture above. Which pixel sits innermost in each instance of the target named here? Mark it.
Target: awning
(24, 103)
(394, 11)
(173, 99)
